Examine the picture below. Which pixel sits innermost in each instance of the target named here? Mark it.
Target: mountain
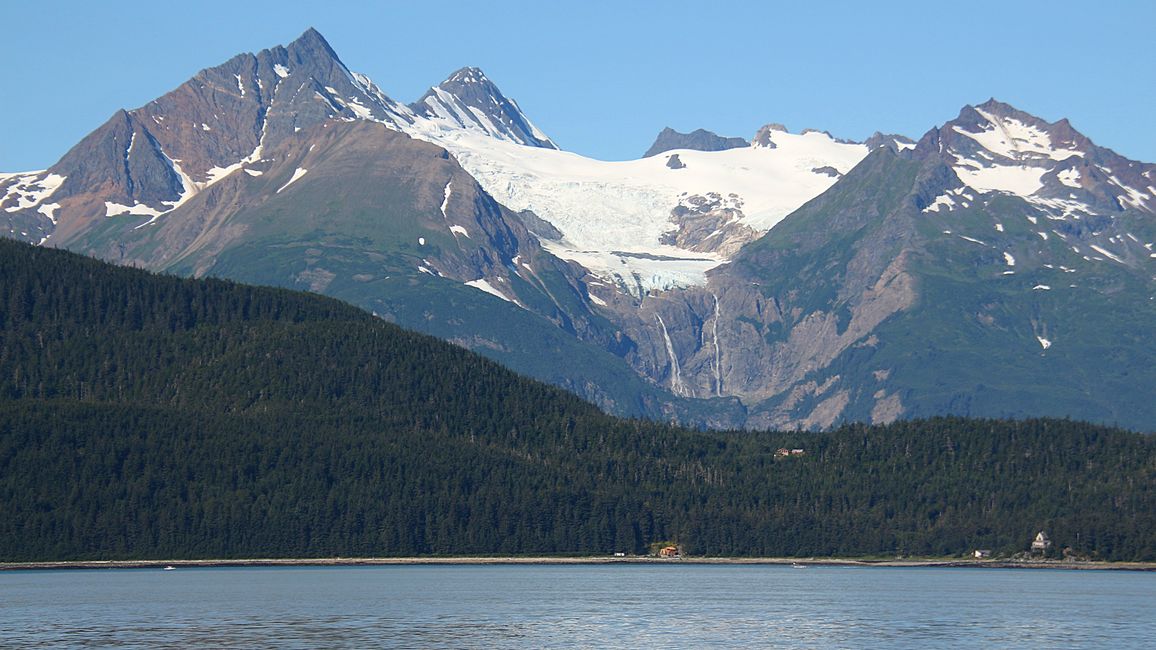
(998, 267)
(698, 140)
(306, 178)
(153, 417)
(469, 100)
(151, 160)
(307, 175)
(1001, 268)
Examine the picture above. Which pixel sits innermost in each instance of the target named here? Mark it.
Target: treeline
(144, 416)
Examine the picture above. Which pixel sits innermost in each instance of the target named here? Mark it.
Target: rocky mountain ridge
(969, 274)
(799, 281)
(699, 140)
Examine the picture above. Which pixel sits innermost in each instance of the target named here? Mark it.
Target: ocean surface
(586, 606)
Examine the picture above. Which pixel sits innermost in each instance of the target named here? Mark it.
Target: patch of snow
(31, 189)
(596, 300)
(335, 103)
(1011, 138)
(281, 70)
(904, 145)
(482, 284)
(446, 198)
(425, 270)
(1043, 235)
(459, 230)
(941, 201)
(49, 210)
(298, 173)
(189, 187)
(421, 241)
(360, 110)
(1133, 197)
(1060, 209)
(254, 172)
(217, 173)
(971, 239)
(1022, 181)
(1069, 177)
(999, 227)
(112, 209)
(1011, 261)
(1044, 343)
(1041, 287)
(1107, 254)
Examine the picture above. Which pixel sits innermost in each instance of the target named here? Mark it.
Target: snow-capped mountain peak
(469, 100)
(994, 147)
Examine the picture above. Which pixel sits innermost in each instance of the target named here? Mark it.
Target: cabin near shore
(1041, 543)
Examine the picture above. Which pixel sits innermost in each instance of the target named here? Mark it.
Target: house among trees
(982, 553)
(1041, 543)
(784, 452)
(668, 551)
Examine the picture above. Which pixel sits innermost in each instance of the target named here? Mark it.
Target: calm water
(669, 606)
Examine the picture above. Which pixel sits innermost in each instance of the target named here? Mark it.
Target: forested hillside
(144, 416)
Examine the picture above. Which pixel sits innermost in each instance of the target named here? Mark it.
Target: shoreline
(586, 560)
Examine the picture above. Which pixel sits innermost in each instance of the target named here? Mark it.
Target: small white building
(1041, 543)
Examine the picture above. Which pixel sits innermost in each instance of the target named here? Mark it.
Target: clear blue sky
(602, 78)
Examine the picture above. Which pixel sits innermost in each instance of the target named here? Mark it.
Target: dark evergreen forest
(146, 416)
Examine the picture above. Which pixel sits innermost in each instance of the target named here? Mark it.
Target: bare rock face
(764, 137)
(894, 142)
(709, 224)
(150, 160)
(697, 140)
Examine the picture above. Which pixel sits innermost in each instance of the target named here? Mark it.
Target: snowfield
(612, 215)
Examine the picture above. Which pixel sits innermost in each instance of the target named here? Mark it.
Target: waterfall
(676, 385)
(717, 350)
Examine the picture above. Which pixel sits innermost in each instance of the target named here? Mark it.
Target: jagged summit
(469, 100)
(311, 40)
(148, 161)
(698, 140)
(996, 147)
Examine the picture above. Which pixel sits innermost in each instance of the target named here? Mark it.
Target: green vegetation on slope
(153, 417)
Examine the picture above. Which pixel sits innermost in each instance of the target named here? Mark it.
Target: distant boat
(796, 565)
(170, 568)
